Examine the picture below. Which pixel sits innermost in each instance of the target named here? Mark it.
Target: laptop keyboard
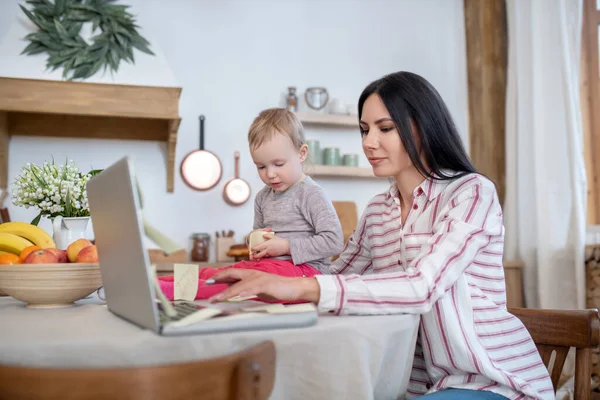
(183, 308)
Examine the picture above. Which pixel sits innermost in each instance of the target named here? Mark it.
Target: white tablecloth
(358, 357)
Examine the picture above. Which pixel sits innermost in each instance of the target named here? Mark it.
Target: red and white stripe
(444, 263)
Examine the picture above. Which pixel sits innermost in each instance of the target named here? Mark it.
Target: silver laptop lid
(118, 230)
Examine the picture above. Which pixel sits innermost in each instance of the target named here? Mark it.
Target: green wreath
(59, 25)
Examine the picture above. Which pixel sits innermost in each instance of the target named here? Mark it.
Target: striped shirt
(444, 263)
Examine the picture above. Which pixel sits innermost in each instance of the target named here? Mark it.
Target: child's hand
(248, 239)
(273, 247)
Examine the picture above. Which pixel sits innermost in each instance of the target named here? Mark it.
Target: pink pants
(270, 265)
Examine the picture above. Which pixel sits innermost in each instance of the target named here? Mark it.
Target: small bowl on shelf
(50, 285)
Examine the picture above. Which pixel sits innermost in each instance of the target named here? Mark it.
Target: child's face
(278, 162)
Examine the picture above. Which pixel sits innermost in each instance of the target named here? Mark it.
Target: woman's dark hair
(409, 97)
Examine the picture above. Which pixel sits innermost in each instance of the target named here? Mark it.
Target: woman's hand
(273, 246)
(247, 282)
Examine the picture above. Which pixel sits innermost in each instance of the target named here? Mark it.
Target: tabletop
(341, 357)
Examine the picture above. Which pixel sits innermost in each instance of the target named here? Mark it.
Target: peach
(60, 254)
(41, 256)
(74, 248)
(88, 255)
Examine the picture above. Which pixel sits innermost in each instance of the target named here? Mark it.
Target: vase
(67, 230)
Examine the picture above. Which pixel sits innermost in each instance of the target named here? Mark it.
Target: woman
(430, 245)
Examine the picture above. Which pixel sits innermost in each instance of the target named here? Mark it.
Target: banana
(34, 234)
(13, 243)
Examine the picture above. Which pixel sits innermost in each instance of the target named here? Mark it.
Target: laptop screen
(118, 230)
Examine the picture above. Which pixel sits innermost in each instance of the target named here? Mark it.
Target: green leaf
(95, 172)
(80, 58)
(137, 37)
(95, 23)
(34, 48)
(39, 180)
(68, 208)
(62, 32)
(49, 43)
(142, 47)
(59, 7)
(36, 220)
(78, 15)
(46, 11)
(74, 28)
(84, 7)
(122, 40)
(32, 17)
(67, 67)
(68, 52)
(82, 71)
(115, 59)
(95, 68)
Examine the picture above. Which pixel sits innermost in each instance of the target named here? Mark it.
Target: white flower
(47, 187)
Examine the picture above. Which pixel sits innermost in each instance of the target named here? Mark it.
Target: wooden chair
(247, 375)
(558, 331)
(348, 215)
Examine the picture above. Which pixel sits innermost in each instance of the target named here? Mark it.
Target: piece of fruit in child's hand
(257, 237)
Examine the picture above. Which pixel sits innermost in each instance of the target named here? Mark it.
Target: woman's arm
(471, 221)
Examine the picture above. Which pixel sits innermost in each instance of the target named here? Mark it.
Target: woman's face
(381, 140)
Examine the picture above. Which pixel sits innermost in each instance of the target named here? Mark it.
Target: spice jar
(200, 247)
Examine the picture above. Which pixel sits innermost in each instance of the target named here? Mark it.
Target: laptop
(129, 279)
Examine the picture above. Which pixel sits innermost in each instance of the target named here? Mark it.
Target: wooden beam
(487, 58)
(590, 97)
(586, 119)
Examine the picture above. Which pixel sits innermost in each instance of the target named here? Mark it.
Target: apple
(88, 255)
(42, 256)
(74, 248)
(60, 254)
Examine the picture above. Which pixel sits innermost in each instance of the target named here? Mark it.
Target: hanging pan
(201, 169)
(236, 191)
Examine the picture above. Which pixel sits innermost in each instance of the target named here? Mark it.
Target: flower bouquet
(54, 190)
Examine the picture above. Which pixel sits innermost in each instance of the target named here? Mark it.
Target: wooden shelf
(32, 107)
(328, 119)
(339, 171)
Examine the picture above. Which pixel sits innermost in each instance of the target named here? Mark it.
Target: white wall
(234, 58)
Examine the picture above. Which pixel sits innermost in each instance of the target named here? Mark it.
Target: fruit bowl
(50, 285)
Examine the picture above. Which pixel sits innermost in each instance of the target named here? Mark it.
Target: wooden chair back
(348, 215)
(247, 375)
(559, 330)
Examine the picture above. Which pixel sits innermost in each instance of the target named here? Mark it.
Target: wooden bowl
(50, 285)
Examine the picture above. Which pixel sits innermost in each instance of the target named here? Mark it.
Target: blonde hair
(272, 121)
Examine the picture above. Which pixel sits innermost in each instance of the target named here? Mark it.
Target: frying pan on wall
(201, 169)
(236, 191)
